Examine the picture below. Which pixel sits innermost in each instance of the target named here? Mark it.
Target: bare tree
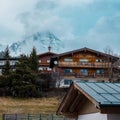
(114, 68)
(108, 50)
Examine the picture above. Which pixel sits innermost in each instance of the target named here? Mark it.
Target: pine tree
(34, 60)
(23, 81)
(6, 67)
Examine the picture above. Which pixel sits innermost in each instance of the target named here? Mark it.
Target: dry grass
(32, 106)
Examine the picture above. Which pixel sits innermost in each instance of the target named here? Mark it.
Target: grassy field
(32, 106)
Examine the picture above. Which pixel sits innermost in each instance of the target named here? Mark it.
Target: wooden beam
(70, 115)
(75, 103)
(110, 109)
(81, 102)
(87, 96)
(65, 100)
(70, 100)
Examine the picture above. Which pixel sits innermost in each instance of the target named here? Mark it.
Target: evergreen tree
(23, 81)
(6, 67)
(34, 60)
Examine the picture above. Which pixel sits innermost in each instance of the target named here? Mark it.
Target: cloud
(35, 15)
(78, 23)
(75, 2)
(45, 17)
(11, 28)
(105, 33)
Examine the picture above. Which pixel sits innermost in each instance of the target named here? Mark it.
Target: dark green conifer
(6, 67)
(34, 60)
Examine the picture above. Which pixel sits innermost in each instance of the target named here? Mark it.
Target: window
(68, 70)
(0, 71)
(40, 68)
(2, 62)
(67, 82)
(12, 62)
(44, 68)
(100, 71)
(84, 71)
(49, 69)
(98, 60)
(39, 61)
(48, 61)
(83, 60)
(68, 60)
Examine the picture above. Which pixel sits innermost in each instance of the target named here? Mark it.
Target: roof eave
(97, 104)
(109, 109)
(85, 49)
(64, 101)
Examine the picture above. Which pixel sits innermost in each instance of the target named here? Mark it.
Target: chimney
(49, 48)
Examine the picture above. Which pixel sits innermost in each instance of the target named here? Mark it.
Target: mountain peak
(39, 40)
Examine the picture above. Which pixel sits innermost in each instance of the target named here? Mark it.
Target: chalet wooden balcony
(43, 64)
(79, 75)
(85, 65)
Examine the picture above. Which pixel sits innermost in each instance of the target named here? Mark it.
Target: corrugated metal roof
(104, 93)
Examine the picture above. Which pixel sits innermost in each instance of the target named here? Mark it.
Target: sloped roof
(85, 49)
(11, 58)
(104, 97)
(46, 53)
(102, 93)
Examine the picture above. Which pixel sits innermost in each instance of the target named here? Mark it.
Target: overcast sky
(78, 23)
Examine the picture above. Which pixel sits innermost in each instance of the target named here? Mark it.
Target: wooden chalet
(91, 101)
(44, 61)
(83, 63)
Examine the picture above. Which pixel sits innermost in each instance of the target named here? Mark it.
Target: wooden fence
(32, 117)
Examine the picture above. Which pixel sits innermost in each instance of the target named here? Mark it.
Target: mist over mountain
(39, 40)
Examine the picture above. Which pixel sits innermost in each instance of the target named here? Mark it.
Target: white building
(91, 101)
(12, 63)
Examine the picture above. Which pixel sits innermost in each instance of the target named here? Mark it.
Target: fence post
(16, 116)
(52, 116)
(40, 117)
(28, 116)
(3, 116)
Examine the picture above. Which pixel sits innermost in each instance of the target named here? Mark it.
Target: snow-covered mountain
(40, 41)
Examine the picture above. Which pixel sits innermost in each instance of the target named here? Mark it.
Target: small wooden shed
(91, 101)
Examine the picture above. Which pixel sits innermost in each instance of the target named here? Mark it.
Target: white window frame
(48, 61)
(68, 60)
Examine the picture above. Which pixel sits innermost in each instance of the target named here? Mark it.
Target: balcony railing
(43, 64)
(79, 75)
(85, 65)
